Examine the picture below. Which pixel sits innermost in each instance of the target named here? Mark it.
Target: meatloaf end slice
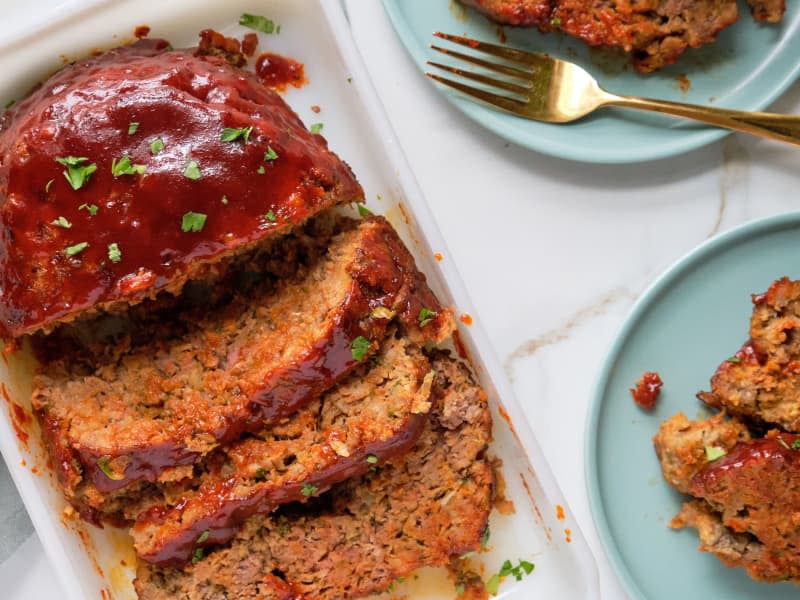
(138, 413)
(418, 510)
(768, 11)
(681, 445)
(762, 381)
(118, 180)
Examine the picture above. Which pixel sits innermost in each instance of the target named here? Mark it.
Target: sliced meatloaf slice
(767, 11)
(683, 446)
(136, 413)
(762, 381)
(131, 172)
(378, 412)
(418, 510)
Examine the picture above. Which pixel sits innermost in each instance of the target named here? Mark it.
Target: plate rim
(692, 140)
(675, 271)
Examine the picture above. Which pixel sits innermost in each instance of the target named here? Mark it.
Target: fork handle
(785, 128)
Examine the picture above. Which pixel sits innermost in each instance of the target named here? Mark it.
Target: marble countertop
(554, 253)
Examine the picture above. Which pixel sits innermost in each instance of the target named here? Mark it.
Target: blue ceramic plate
(690, 320)
(747, 68)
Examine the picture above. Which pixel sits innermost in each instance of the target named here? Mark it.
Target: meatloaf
(762, 380)
(654, 32)
(131, 172)
(141, 412)
(421, 509)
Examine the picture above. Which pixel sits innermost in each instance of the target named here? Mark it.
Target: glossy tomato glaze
(186, 101)
(278, 71)
(647, 389)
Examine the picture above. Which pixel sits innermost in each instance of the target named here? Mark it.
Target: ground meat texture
(377, 413)
(768, 11)
(136, 413)
(55, 233)
(681, 445)
(762, 380)
(421, 509)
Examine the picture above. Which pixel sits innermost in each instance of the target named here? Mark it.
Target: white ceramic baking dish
(97, 563)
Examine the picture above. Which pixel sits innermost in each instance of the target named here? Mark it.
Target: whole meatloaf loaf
(762, 381)
(421, 509)
(131, 172)
(148, 411)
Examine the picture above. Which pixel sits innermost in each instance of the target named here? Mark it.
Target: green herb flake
(104, 464)
(349, 80)
(316, 128)
(258, 23)
(372, 459)
(485, 537)
(133, 128)
(197, 556)
(114, 253)
(123, 166)
(460, 589)
(555, 22)
(156, 146)
(61, 222)
(76, 173)
(76, 249)
(224, 200)
(193, 221)
(309, 489)
(270, 216)
(493, 584)
(261, 474)
(381, 312)
(363, 211)
(270, 154)
(90, 208)
(528, 567)
(796, 444)
(714, 452)
(359, 347)
(203, 536)
(277, 29)
(734, 359)
(191, 170)
(230, 134)
(47, 185)
(261, 170)
(10, 103)
(426, 315)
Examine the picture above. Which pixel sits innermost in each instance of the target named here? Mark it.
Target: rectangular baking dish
(99, 563)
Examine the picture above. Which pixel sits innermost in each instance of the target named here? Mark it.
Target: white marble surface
(554, 253)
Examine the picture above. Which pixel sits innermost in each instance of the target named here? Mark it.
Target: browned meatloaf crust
(136, 413)
(378, 412)
(762, 381)
(418, 510)
(85, 221)
(655, 32)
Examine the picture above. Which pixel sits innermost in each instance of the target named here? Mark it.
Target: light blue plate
(691, 319)
(747, 68)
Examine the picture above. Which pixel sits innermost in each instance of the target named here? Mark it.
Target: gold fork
(547, 89)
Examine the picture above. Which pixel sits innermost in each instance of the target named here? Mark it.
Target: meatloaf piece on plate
(140, 412)
(132, 172)
(421, 509)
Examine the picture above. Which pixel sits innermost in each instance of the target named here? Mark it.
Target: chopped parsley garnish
(796, 444)
(309, 489)
(90, 208)
(193, 221)
(230, 134)
(363, 211)
(261, 474)
(48, 184)
(76, 173)
(261, 170)
(203, 536)
(114, 253)
(460, 589)
(192, 170)
(270, 216)
(372, 459)
(316, 128)
(76, 249)
(61, 222)
(258, 23)
(734, 359)
(156, 146)
(485, 537)
(714, 452)
(197, 556)
(359, 347)
(270, 154)
(224, 200)
(277, 28)
(555, 22)
(123, 166)
(132, 128)
(381, 312)
(426, 315)
(523, 568)
(104, 464)
(10, 103)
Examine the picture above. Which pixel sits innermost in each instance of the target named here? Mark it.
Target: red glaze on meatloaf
(96, 211)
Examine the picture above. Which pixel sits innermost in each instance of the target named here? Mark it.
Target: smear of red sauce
(461, 349)
(315, 109)
(647, 389)
(438, 256)
(560, 512)
(4, 392)
(568, 535)
(548, 533)
(19, 419)
(278, 71)
(141, 31)
(465, 318)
